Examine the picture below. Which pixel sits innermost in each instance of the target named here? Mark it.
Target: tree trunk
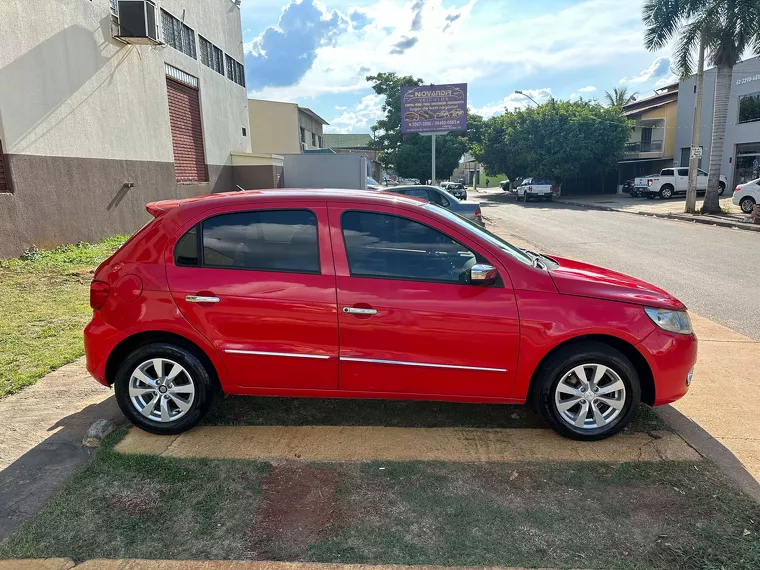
(720, 111)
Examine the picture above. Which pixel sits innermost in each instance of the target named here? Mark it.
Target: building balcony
(641, 147)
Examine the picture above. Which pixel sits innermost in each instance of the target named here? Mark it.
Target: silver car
(439, 196)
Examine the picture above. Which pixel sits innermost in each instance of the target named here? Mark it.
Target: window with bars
(218, 60)
(235, 70)
(178, 35)
(206, 49)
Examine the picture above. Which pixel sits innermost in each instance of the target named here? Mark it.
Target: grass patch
(254, 411)
(44, 300)
(140, 506)
(665, 515)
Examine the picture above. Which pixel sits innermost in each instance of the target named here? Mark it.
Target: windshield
(483, 233)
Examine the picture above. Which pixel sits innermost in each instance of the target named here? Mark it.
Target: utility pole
(691, 191)
(432, 178)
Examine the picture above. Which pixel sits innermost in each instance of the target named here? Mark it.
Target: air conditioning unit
(137, 22)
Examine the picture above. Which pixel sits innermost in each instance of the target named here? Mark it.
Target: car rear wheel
(747, 204)
(721, 188)
(163, 388)
(587, 391)
(666, 192)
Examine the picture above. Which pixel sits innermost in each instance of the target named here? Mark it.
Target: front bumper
(671, 358)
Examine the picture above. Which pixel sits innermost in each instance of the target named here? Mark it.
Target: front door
(260, 285)
(410, 322)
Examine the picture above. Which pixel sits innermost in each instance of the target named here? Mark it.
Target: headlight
(671, 321)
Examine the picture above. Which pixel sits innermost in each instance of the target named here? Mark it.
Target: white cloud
(569, 41)
(358, 119)
(660, 68)
(588, 89)
(513, 101)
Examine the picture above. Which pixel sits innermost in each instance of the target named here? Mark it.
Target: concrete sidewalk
(670, 209)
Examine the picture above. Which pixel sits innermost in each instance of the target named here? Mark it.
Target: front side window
(391, 247)
(272, 240)
(667, 172)
(701, 173)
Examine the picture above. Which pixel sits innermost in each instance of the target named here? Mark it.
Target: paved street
(713, 270)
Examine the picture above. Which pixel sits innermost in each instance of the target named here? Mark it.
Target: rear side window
(683, 172)
(273, 240)
(392, 247)
(186, 250)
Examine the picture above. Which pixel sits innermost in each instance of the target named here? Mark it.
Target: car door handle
(359, 311)
(201, 299)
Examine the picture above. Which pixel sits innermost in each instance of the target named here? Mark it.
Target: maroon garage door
(187, 135)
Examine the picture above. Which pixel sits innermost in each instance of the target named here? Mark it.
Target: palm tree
(619, 97)
(728, 29)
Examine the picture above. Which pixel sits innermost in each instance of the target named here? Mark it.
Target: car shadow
(247, 410)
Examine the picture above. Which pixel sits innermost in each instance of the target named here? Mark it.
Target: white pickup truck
(671, 181)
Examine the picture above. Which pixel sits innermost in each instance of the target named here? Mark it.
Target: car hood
(584, 280)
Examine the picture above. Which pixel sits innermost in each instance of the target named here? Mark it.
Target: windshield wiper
(536, 258)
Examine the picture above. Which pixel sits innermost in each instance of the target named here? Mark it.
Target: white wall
(67, 88)
(325, 171)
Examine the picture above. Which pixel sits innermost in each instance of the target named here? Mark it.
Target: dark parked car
(440, 197)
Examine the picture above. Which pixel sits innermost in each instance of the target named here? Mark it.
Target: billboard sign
(434, 108)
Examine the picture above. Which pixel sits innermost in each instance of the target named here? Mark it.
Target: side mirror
(483, 274)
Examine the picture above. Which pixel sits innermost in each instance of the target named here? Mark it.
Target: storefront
(741, 147)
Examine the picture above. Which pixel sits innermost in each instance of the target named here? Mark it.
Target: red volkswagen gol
(367, 295)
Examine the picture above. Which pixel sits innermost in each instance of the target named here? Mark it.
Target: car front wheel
(163, 388)
(587, 391)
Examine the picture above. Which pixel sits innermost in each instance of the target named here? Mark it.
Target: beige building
(284, 128)
(653, 137)
(106, 106)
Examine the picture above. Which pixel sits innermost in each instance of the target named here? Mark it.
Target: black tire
(205, 389)
(564, 360)
(747, 204)
(666, 192)
(721, 188)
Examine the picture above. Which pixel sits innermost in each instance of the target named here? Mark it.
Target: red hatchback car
(370, 295)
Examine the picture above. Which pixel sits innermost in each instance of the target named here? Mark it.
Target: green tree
(409, 155)
(556, 140)
(619, 97)
(728, 28)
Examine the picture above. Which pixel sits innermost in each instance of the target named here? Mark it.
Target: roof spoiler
(158, 209)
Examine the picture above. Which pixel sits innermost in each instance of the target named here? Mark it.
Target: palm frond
(687, 42)
(662, 19)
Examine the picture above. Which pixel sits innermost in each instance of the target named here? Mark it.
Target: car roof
(284, 195)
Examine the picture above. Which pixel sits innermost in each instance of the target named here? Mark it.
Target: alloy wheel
(747, 205)
(590, 396)
(161, 390)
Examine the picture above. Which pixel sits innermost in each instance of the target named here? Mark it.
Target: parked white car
(672, 181)
(539, 188)
(747, 195)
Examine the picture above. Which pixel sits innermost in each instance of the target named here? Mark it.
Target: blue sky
(318, 52)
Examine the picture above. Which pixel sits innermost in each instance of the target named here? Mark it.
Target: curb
(677, 217)
(711, 449)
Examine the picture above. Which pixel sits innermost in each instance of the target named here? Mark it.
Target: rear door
(410, 322)
(259, 283)
(682, 182)
(701, 180)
